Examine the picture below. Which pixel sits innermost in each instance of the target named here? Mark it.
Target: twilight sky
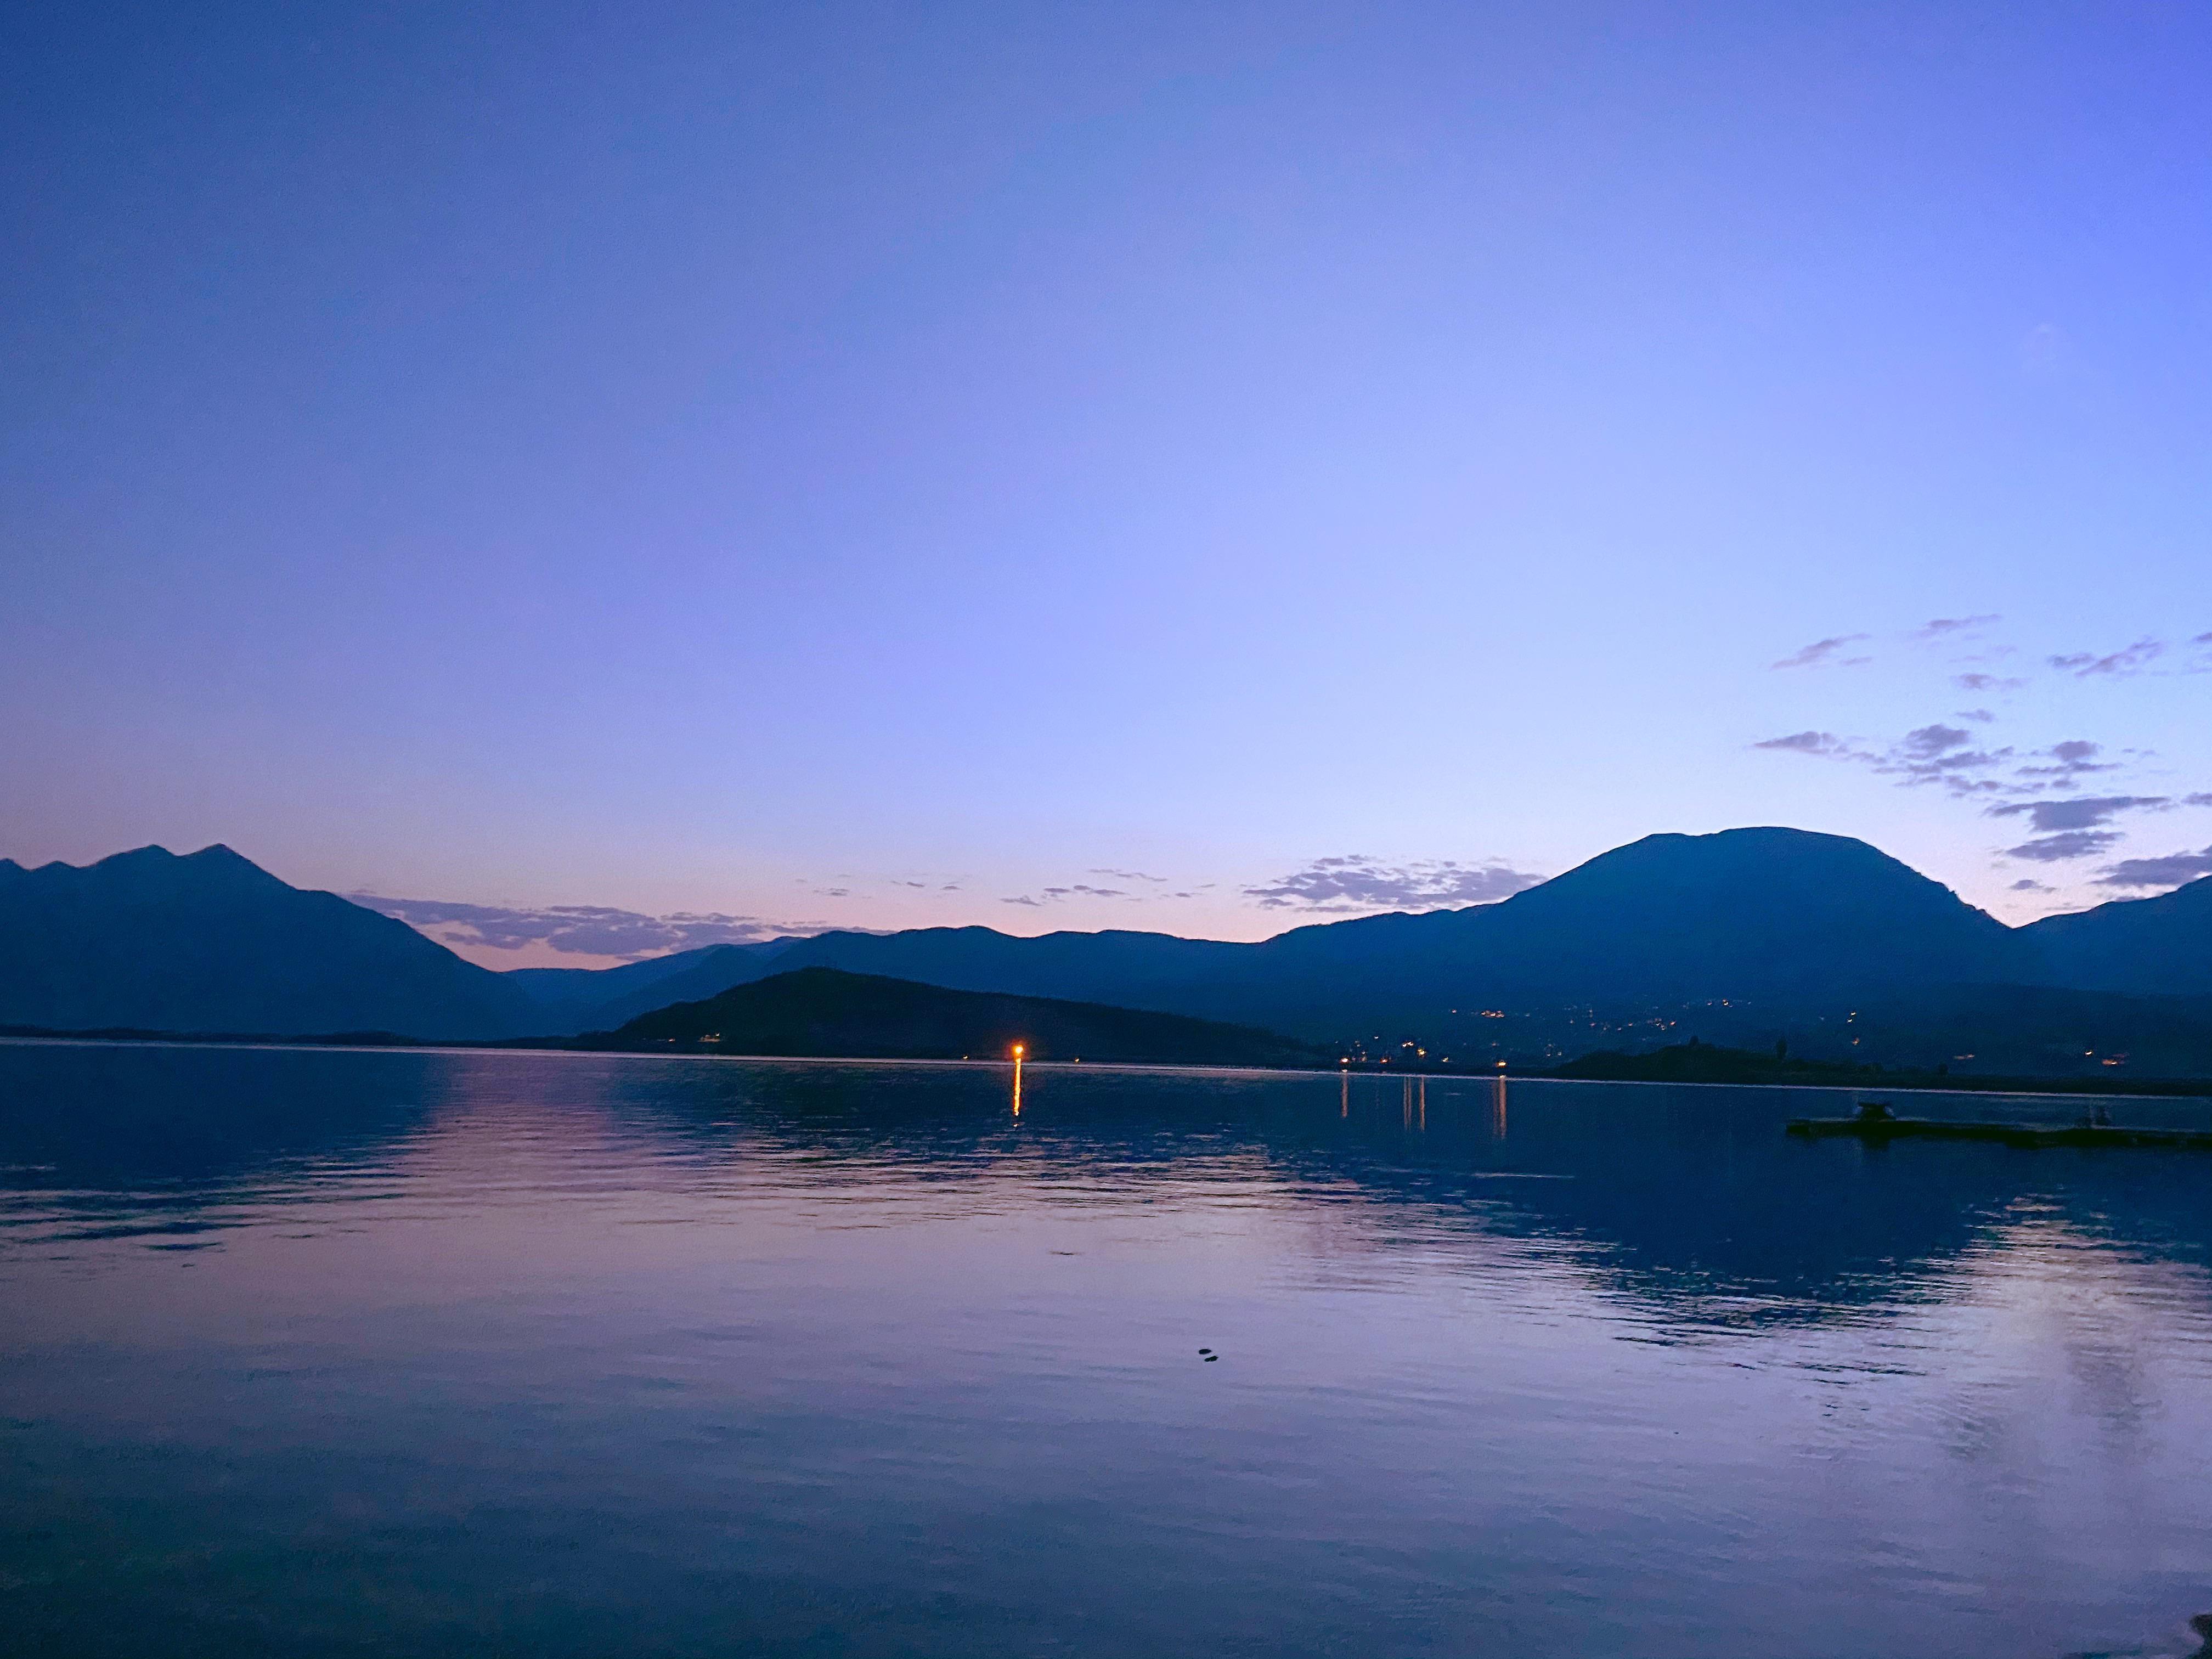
(1193, 468)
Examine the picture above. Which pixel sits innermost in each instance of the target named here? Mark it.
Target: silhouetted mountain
(1746, 935)
(212, 942)
(824, 1012)
(1739, 936)
(2157, 946)
(1783, 916)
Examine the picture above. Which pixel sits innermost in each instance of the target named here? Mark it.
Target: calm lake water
(326, 1352)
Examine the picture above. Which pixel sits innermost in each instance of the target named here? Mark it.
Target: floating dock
(1875, 1124)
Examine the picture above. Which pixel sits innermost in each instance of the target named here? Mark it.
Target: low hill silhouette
(826, 1012)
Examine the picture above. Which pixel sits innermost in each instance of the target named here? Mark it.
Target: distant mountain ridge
(1786, 915)
(2154, 947)
(1802, 927)
(605, 996)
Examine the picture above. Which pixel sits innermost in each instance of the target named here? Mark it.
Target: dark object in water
(1206, 1351)
(1876, 1124)
(1210, 1358)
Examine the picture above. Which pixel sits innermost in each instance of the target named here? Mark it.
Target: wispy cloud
(1941, 755)
(1065, 891)
(2172, 871)
(1943, 628)
(594, 930)
(2075, 757)
(2118, 665)
(1927, 743)
(2041, 785)
(1933, 754)
(1822, 651)
(1359, 883)
(1948, 757)
(2078, 812)
(2070, 844)
(1826, 745)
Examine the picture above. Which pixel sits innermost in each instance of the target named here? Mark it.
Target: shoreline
(1901, 1083)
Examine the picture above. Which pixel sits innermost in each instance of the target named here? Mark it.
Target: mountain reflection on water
(373, 1351)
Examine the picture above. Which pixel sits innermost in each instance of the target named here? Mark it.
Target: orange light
(1018, 1051)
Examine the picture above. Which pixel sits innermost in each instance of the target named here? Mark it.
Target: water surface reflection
(375, 1352)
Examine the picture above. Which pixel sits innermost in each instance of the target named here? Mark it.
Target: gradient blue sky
(890, 465)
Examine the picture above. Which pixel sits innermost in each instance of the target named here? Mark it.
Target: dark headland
(829, 1013)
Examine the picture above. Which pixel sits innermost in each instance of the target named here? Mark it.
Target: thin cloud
(2041, 785)
(1934, 754)
(1946, 627)
(2071, 844)
(1132, 875)
(2117, 665)
(1822, 651)
(2080, 812)
(1359, 883)
(1939, 755)
(592, 930)
(2075, 757)
(1074, 889)
(1826, 745)
(2029, 885)
(2174, 870)
(1928, 742)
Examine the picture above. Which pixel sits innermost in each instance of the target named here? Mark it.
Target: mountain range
(1742, 933)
